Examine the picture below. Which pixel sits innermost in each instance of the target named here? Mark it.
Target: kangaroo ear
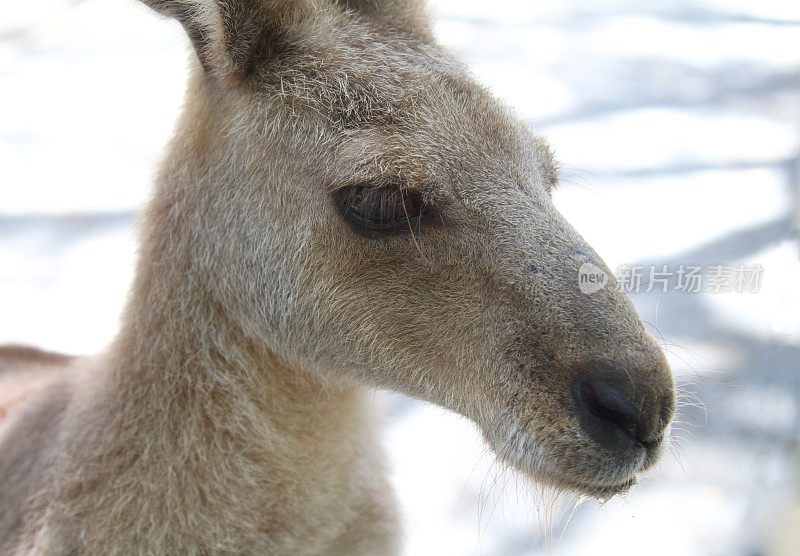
(231, 37)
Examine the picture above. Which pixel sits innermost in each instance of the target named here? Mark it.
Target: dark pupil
(379, 208)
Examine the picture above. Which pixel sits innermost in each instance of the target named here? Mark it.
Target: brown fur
(23, 371)
(229, 415)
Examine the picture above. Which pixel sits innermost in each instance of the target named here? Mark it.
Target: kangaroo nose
(616, 411)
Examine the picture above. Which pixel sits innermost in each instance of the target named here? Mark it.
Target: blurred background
(678, 126)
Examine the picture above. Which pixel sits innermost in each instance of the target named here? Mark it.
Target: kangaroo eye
(372, 209)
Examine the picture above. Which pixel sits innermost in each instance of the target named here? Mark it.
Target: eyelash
(376, 210)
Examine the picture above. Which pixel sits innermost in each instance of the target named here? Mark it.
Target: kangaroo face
(373, 216)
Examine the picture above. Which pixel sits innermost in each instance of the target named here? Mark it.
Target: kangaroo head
(364, 210)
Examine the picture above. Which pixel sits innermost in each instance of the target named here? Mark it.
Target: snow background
(678, 124)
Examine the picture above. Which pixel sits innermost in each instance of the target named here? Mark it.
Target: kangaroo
(342, 208)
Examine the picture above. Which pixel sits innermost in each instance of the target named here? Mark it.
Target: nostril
(610, 404)
(606, 413)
